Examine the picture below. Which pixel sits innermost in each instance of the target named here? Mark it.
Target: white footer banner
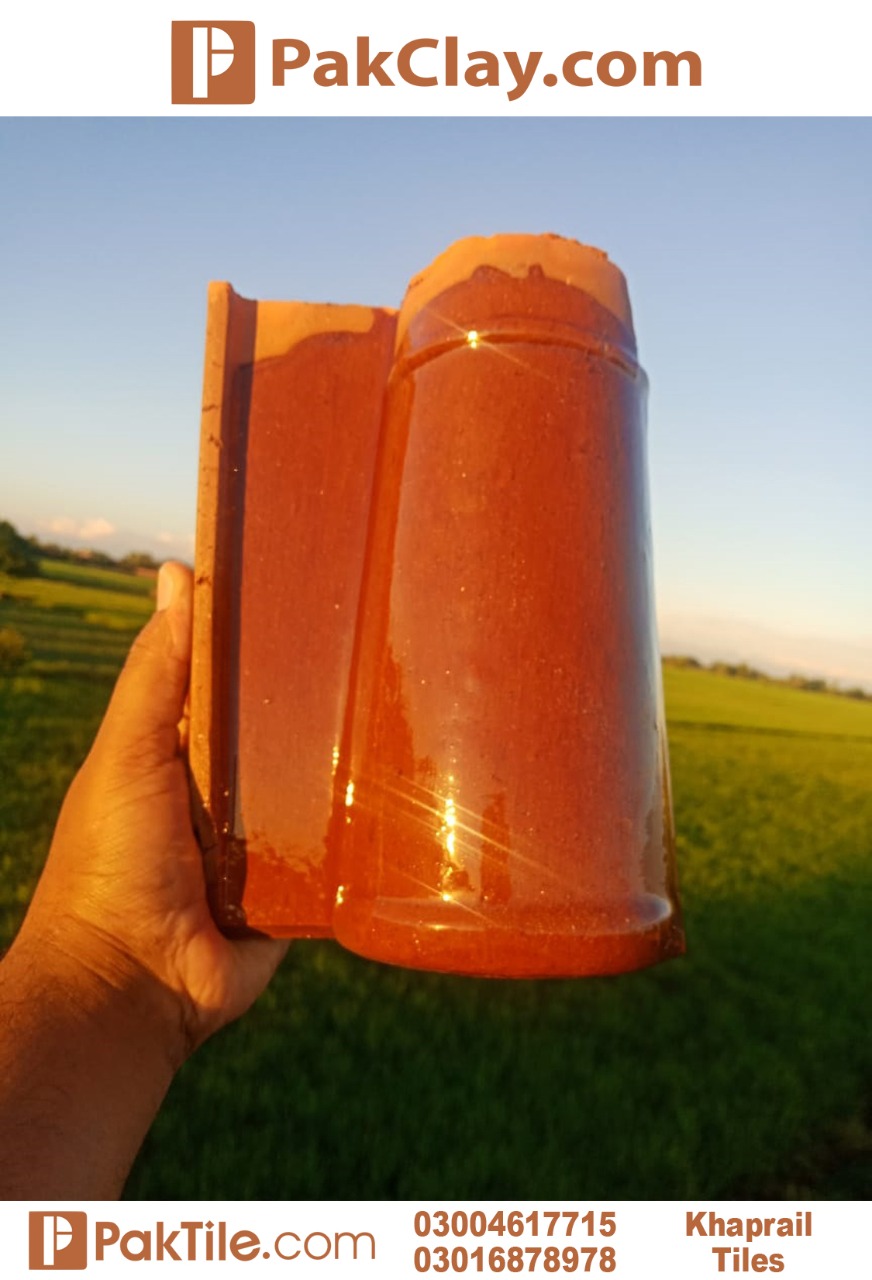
(363, 1240)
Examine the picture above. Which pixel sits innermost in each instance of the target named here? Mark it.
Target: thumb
(140, 727)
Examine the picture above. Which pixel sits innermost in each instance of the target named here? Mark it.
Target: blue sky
(747, 245)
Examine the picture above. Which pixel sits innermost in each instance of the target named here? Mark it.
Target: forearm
(85, 1061)
(119, 970)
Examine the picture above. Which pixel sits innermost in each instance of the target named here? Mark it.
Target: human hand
(122, 898)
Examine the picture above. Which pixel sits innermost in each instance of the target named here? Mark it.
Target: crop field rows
(741, 1070)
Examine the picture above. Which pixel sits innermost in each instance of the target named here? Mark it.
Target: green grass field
(741, 1070)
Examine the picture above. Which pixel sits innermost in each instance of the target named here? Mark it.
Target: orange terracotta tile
(490, 793)
(291, 412)
(508, 786)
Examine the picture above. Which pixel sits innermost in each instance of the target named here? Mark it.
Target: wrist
(70, 965)
(87, 1053)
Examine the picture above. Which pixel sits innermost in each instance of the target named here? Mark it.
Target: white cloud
(181, 544)
(175, 539)
(61, 524)
(93, 528)
(97, 527)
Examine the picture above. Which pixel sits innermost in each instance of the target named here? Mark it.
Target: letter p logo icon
(213, 62)
(58, 1241)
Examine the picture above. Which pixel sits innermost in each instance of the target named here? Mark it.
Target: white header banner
(371, 1240)
(391, 59)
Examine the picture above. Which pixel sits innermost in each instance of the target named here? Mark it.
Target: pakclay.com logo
(58, 1241)
(213, 62)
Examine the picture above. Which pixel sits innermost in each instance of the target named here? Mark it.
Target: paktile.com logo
(213, 62)
(58, 1241)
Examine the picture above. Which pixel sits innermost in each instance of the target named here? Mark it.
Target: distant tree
(809, 685)
(138, 560)
(50, 550)
(683, 661)
(13, 649)
(99, 558)
(17, 556)
(743, 671)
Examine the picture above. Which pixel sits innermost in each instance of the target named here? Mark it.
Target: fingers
(256, 962)
(141, 723)
(259, 958)
(175, 595)
(249, 964)
(185, 725)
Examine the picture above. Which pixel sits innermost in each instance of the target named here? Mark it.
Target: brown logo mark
(213, 62)
(58, 1241)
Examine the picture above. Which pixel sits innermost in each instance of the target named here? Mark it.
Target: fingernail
(166, 587)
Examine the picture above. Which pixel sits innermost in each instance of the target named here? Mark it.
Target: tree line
(742, 671)
(20, 555)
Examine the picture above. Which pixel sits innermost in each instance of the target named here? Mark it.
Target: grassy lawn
(78, 623)
(741, 1070)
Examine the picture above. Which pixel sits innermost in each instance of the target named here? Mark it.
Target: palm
(125, 872)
